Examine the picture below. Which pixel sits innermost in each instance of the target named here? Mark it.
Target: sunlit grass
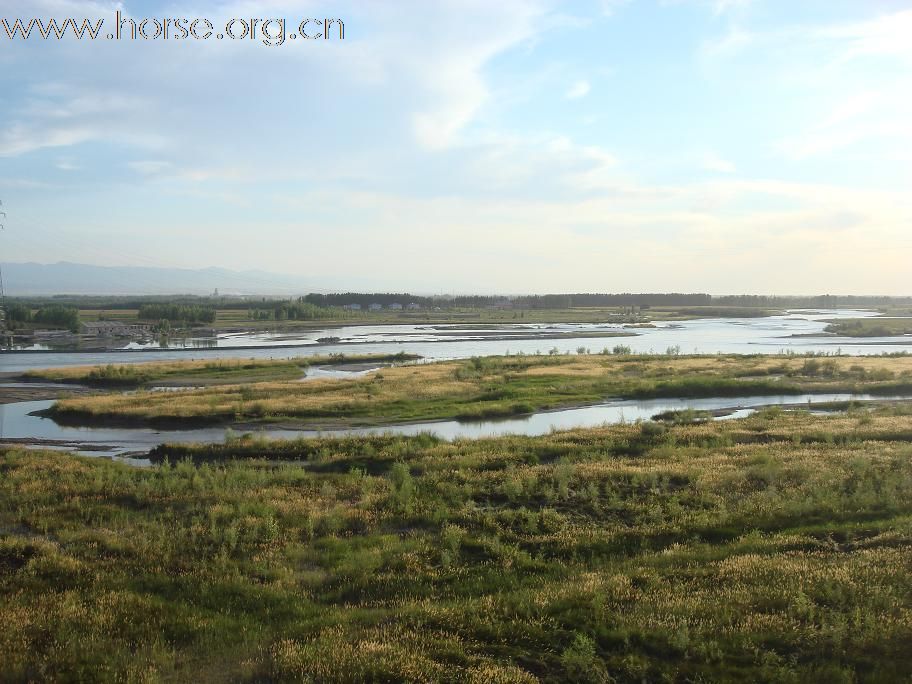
(498, 386)
(776, 548)
(203, 370)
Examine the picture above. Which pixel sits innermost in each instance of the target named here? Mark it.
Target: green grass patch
(680, 552)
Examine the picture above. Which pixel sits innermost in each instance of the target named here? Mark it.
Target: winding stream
(17, 423)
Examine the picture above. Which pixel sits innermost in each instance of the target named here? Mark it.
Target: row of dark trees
(53, 315)
(584, 299)
(301, 310)
(365, 299)
(177, 313)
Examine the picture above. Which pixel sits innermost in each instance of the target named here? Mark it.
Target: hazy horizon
(31, 279)
(719, 146)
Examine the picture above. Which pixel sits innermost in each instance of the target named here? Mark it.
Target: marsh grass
(493, 387)
(871, 327)
(774, 548)
(203, 371)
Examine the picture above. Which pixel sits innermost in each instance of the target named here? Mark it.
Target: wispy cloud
(609, 7)
(430, 118)
(713, 162)
(887, 34)
(723, 6)
(578, 89)
(66, 164)
(149, 167)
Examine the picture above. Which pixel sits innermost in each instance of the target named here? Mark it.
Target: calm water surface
(797, 331)
(16, 423)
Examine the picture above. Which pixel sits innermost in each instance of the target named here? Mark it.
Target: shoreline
(481, 338)
(291, 425)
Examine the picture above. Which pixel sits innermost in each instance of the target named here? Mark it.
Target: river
(796, 331)
(18, 422)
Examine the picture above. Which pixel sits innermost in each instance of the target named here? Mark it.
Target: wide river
(796, 331)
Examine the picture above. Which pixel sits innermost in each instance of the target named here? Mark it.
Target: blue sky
(712, 145)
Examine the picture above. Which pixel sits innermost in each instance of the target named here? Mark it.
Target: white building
(113, 329)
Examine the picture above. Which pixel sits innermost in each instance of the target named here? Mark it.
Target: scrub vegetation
(772, 548)
(871, 327)
(492, 387)
(205, 371)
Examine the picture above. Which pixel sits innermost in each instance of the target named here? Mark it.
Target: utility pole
(3, 325)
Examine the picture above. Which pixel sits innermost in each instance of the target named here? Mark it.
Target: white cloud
(864, 118)
(888, 34)
(422, 67)
(66, 164)
(723, 6)
(578, 89)
(835, 96)
(733, 42)
(713, 162)
(609, 7)
(639, 240)
(447, 65)
(20, 138)
(358, 146)
(149, 167)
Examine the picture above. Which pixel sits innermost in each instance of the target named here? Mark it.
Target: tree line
(177, 313)
(54, 315)
(592, 299)
(293, 310)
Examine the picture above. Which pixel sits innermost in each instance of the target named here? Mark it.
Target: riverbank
(14, 388)
(206, 373)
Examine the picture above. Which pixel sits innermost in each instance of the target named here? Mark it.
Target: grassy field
(203, 372)
(493, 387)
(776, 548)
(871, 327)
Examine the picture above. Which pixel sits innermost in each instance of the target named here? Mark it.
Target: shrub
(582, 664)
(652, 430)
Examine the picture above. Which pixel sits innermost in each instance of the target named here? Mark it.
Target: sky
(722, 146)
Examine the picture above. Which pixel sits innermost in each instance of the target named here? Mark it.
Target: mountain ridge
(67, 277)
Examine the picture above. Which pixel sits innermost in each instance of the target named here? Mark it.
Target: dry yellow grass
(158, 368)
(485, 387)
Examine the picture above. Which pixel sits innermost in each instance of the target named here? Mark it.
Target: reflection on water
(18, 424)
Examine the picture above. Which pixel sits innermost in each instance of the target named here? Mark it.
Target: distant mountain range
(69, 278)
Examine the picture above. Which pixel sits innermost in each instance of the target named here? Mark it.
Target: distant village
(413, 306)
